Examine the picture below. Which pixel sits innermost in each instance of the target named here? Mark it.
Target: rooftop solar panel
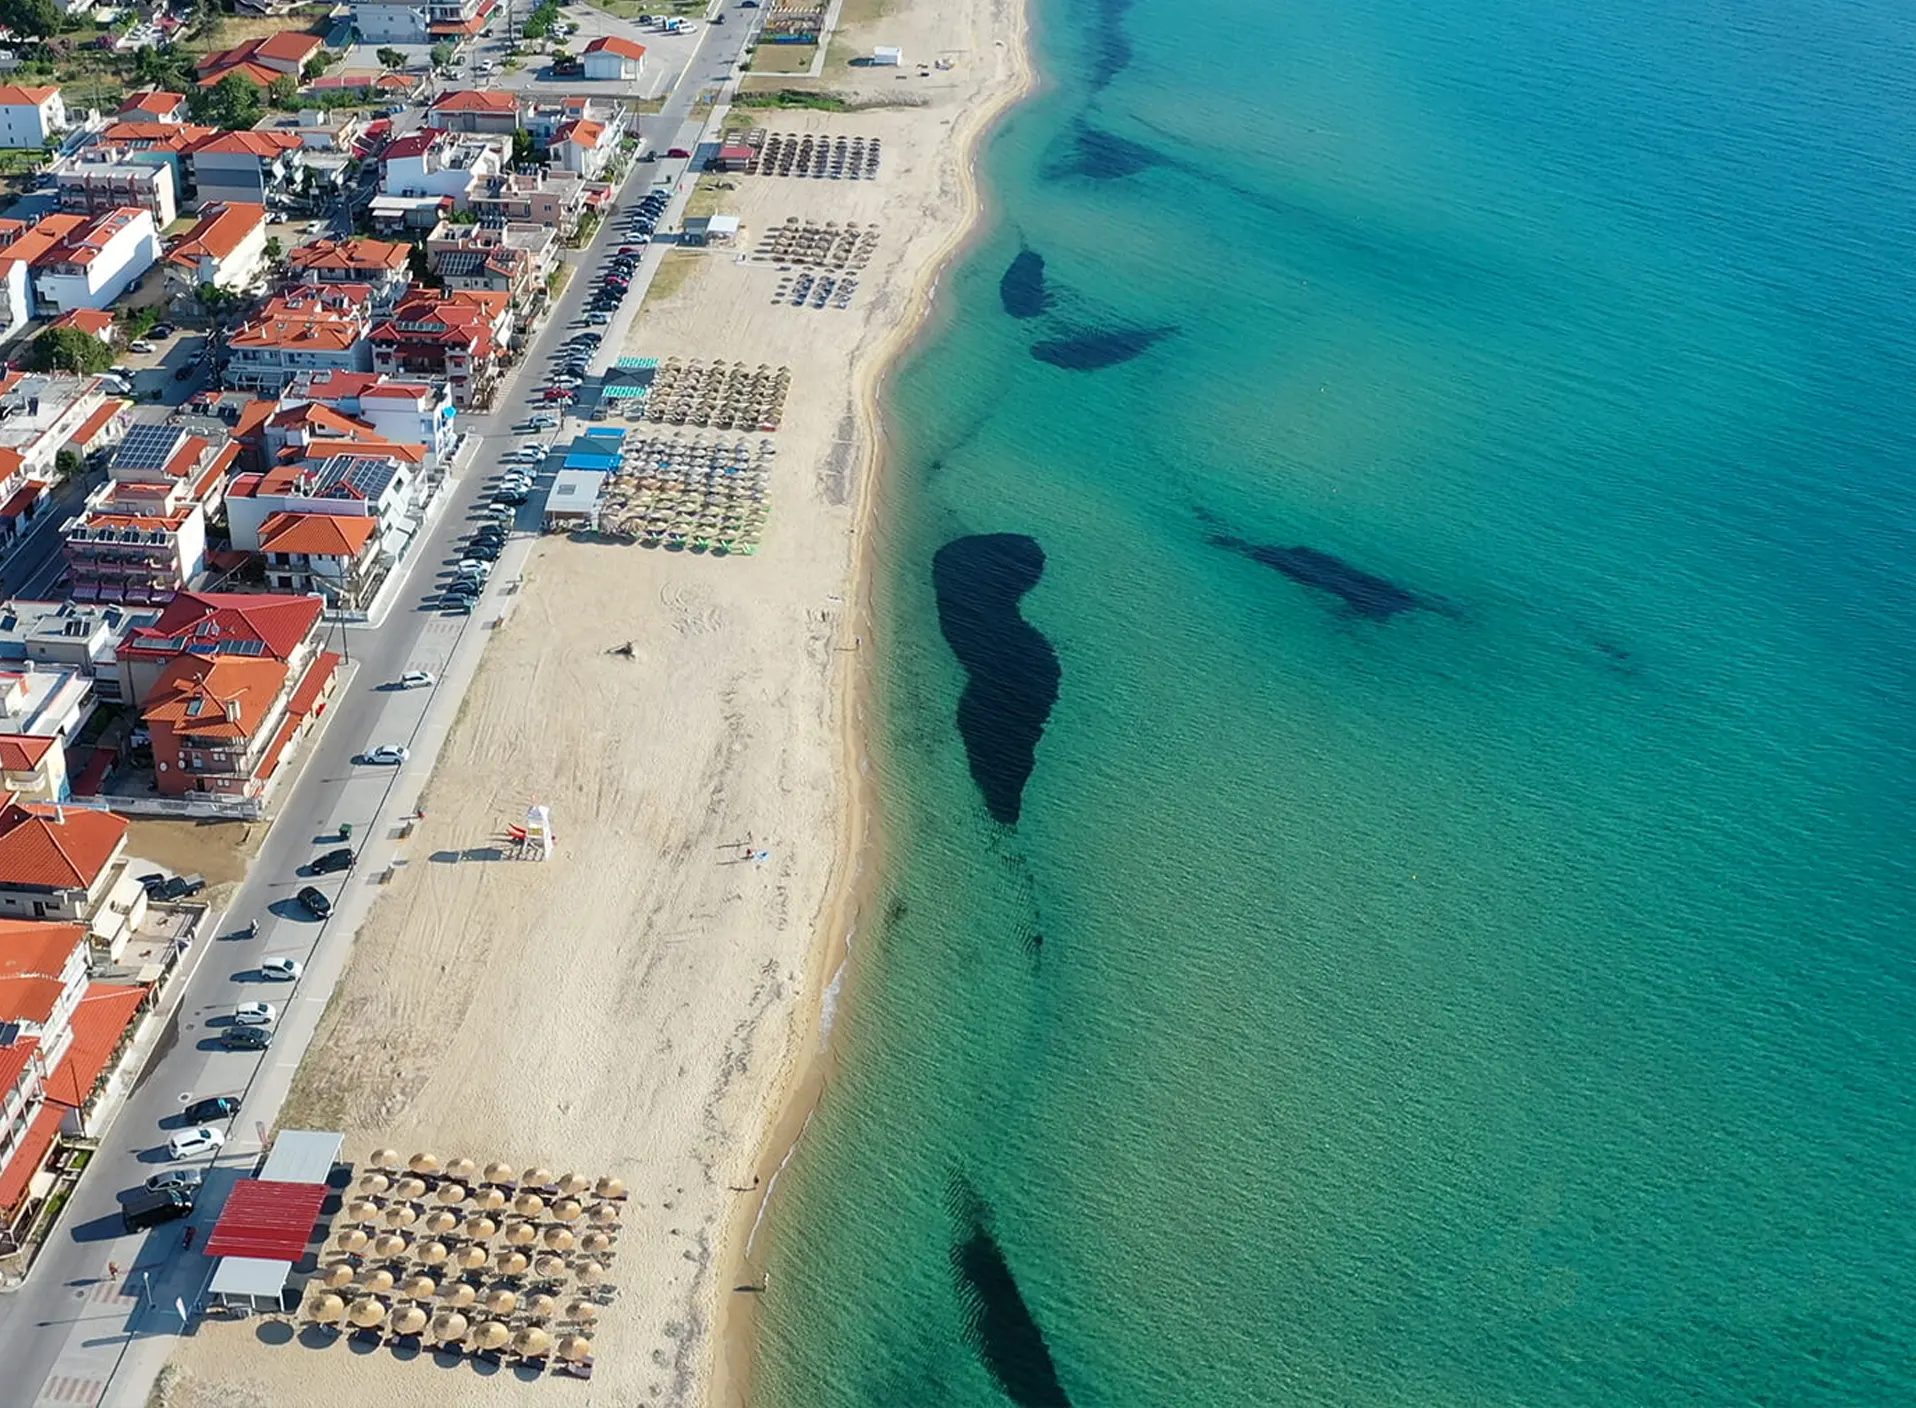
(148, 446)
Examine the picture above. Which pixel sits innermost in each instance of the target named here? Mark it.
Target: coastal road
(72, 1333)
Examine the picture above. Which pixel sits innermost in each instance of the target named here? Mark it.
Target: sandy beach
(645, 1004)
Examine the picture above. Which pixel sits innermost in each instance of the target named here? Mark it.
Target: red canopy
(271, 1221)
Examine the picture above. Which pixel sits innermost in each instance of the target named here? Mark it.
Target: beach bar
(572, 503)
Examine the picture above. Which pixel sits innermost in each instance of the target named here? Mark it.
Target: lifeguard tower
(534, 839)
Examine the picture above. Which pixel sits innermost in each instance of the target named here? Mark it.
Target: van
(151, 1208)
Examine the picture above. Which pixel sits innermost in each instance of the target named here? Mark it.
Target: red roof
(612, 44)
(56, 847)
(412, 144)
(29, 1154)
(207, 622)
(155, 102)
(472, 100)
(316, 534)
(269, 1221)
(14, 95)
(89, 320)
(223, 227)
(14, 1061)
(23, 752)
(101, 1019)
(214, 696)
(25, 498)
(95, 423)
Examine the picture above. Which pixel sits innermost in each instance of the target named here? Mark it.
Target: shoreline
(801, 1083)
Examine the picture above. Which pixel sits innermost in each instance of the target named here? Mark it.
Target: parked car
(338, 859)
(391, 754)
(214, 1107)
(256, 1014)
(185, 370)
(152, 1206)
(188, 1142)
(140, 345)
(485, 552)
(284, 970)
(246, 1038)
(162, 330)
(543, 420)
(416, 679)
(314, 903)
(597, 319)
(678, 154)
(185, 1179)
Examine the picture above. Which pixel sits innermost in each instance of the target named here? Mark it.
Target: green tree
(67, 464)
(283, 92)
(391, 59)
(442, 54)
(275, 251)
(69, 350)
(37, 17)
(523, 148)
(316, 65)
(231, 103)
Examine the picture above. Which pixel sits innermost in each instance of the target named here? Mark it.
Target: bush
(68, 350)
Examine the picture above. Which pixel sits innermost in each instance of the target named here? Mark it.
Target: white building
(95, 265)
(611, 57)
(584, 148)
(29, 117)
(381, 484)
(227, 248)
(391, 22)
(400, 411)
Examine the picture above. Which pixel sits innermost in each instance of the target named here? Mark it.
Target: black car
(485, 552)
(183, 372)
(219, 1107)
(314, 902)
(340, 859)
(161, 330)
(246, 1038)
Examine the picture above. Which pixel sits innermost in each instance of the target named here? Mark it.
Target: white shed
(887, 56)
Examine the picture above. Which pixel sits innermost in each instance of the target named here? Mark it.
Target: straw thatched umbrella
(481, 1227)
(389, 1244)
(362, 1210)
(419, 1286)
(472, 1256)
(374, 1183)
(558, 1238)
(590, 1273)
(532, 1342)
(327, 1308)
(490, 1334)
(536, 1178)
(441, 1222)
(366, 1312)
(521, 1234)
(502, 1302)
(575, 1347)
(340, 1273)
(497, 1172)
(400, 1215)
(595, 1242)
(462, 1168)
(410, 1189)
(573, 1184)
(512, 1263)
(549, 1266)
(450, 1192)
(387, 1159)
(408, 1320)
(423, 1163)
(491, 1199)
(448, 1325)
(541, 1306)
(353, 1240)
(609, 1187)
(605, 1213)
(583, 1311)
(568, 1210)
(432, 1253)
(460, 1294)
(528, 1204)
(376, 1279)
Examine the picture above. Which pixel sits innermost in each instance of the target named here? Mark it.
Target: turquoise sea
(1456, 943)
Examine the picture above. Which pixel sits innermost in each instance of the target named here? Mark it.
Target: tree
(315, 66)
(275, 251)
(69, 350)
(523, 147)
(283, 92)
(67, 464)
(36, 17)
(442, 54)
(391, 59)
(232, 103)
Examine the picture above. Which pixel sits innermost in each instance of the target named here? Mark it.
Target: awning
(28, 1155)
(269, 1221)
(249, 1278)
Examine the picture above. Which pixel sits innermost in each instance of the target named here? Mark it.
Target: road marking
(108, 1289)
(71, 1388)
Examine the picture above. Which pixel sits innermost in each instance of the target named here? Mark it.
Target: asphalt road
(74, 1334)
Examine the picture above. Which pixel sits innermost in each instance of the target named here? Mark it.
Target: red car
(679, 152)
(559, 393)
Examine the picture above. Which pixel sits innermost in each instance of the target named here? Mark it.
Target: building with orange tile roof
(475, 110)
(141, 536)
(41, 413)
(261, 61)
(381, 265)
(253, 166)
(33, 766)
(331, 554)
(154, 105)
(226, 248)
(94, 322)
(29, 116)
(584, 147)
(309, 328)
(95, 264)
(614, 58)
(223, 724)
(459, 337)
(57, 862)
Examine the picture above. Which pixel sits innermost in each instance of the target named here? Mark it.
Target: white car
(416, 679)
(184, 1178)
(475, 567)
(543, 421)
(256, 1014)
(391, 753)
(141, 346)
(527, 454)
(188, 1142)
(285, 970)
